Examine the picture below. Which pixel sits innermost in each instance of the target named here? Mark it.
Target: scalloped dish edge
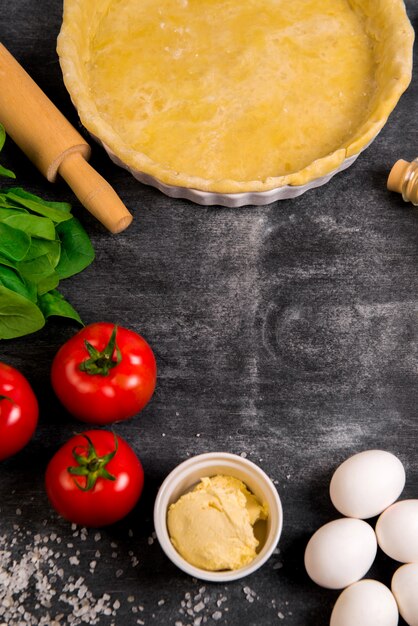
(230, 200)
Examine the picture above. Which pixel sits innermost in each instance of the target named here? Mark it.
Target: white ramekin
(187, 474)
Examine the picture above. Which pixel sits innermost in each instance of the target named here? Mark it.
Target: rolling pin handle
(94, 192)
(53, 169)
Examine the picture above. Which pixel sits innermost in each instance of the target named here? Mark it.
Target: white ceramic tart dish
(235, 103)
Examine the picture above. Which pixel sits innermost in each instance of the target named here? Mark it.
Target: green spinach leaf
(2, 136)
(3, 170)
(57, 211)
(18, 315)
(33, 225)
(14, 244)
(8, 210)
(5, 261)
(54, 303)
(39, 247)
(60, 206)
(7, 173)
(76, 249)
(41, 272)
(12, 280)
(7, 204)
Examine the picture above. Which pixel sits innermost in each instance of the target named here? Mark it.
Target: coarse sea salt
(201, 608)
(40, 586)
(36, 588)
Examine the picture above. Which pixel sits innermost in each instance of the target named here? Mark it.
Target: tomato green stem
(91, 465)
(100, 363)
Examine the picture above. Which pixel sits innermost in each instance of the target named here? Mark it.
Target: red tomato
(95, 479)
(18, 411)
(104, 374)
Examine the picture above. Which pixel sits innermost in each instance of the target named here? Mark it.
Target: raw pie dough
(227, 95)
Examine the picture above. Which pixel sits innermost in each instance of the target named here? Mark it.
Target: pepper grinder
(403, 178)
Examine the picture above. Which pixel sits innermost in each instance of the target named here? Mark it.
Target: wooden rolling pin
(53, 145)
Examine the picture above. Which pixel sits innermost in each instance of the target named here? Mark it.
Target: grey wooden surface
(288, 333)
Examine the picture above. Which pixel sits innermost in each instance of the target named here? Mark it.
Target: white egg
(367, 483)
(397, 531)
(404, 588)
(366, 603)
(340, 553)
